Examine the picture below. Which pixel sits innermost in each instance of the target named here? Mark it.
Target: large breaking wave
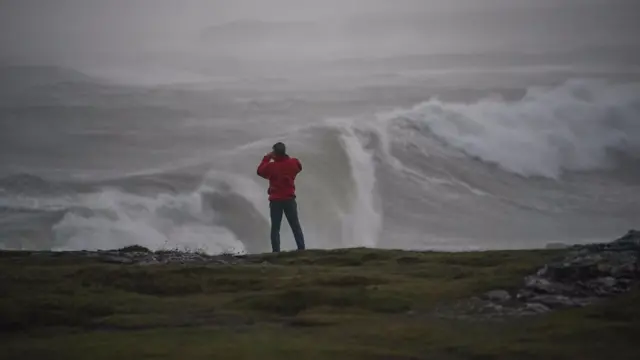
(575, 127)
(226, 212)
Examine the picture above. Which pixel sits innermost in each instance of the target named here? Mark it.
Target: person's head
(279, 149)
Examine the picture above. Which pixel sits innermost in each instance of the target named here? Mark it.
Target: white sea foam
(115, 219)
(570, 127)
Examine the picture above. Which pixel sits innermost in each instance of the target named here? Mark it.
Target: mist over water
(420, 124)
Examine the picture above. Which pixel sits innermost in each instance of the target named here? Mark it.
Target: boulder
(537, 308)
(606, 282)
(576, 269)
(134, 249)
(541, 285)
(554, 301)
(498, 295)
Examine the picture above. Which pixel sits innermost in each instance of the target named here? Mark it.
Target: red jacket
(281, 173)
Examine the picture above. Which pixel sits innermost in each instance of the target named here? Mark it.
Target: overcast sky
(80, 32)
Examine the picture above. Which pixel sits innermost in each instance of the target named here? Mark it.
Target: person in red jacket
(281, 171)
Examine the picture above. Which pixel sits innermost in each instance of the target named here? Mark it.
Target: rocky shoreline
(586, 275)
(139, 255)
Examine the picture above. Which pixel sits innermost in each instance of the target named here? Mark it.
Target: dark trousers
(290, 210)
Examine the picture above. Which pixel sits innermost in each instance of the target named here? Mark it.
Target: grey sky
(80, 32)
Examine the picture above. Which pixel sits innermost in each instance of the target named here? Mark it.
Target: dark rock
(538, 284)
(493, 307)
(607, 282)
(625, 270)
(537, 308)
(554, 301)
(587, 274)
(524, 294)
(148, 262)
(632, 237)
(585, 301)
(544, 286)
(525, 312)
(625, 283)
(498, 295)
(605, 269)
(117, 259)
(605, 286)
(134, 249)
(582, 268)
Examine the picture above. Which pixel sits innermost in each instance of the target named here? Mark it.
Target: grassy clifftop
(341, 304)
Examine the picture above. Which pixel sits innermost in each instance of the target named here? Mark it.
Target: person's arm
(299, 165)
(264, 168)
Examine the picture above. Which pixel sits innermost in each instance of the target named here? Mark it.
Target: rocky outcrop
(586, 274)
(138, 255)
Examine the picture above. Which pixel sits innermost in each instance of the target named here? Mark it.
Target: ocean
(447, 158)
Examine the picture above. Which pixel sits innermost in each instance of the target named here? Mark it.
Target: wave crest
(573, 127)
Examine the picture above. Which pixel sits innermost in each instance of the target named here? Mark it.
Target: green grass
(341, 304)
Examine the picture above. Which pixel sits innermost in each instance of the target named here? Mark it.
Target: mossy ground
(341, 304)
